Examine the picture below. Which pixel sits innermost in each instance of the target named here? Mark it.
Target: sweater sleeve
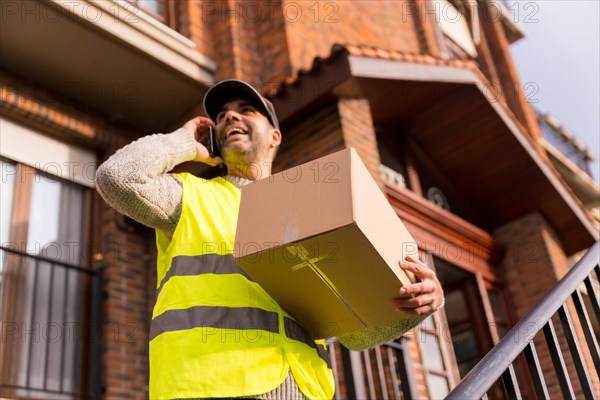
(135, 180)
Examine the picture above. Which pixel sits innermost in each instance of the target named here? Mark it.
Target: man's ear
(276, 137)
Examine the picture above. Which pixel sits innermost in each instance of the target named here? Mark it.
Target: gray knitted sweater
(135, 181)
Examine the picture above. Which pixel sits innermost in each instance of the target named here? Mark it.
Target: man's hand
(428, 292)
(198, 128)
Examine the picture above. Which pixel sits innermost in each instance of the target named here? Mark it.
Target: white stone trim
(24, 145)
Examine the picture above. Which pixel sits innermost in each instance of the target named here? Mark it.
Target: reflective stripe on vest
(202, 264)
(294, 330)
(215, 332)
(224, 317)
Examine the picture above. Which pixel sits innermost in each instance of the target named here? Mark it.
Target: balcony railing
(498, 363)
(564, 142)
(383, 372)
(50, 315)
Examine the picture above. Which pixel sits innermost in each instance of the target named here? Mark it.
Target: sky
(559, 63)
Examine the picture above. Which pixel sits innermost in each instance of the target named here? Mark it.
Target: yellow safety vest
(215, 332)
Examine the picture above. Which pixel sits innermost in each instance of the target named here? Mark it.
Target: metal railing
(50, 316)
(383, 372)
(565, 143)
(498, 363)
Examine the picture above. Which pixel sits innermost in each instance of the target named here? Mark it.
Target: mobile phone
(212, 144)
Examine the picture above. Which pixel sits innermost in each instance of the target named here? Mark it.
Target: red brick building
(425, 90)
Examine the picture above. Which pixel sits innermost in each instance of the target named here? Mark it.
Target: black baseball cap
(222, 92)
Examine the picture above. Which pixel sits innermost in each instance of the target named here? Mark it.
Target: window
(41, 287)
(470, 327)
(499, 311)
(454, 22)
(436, 370)
(162, 10)
(392, 168)
(45, 300)
(436, 354)
(463, 329)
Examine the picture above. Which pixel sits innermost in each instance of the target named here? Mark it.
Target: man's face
(244, 133)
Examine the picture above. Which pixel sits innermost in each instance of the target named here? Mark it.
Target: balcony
(109, 56)
(564, 141)
(50, 313)
(570, 158)
(510, 20)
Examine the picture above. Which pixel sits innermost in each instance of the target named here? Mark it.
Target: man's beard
(238, 158)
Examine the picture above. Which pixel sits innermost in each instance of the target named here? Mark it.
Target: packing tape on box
(297, 250)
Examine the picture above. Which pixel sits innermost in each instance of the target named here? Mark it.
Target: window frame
(167, 19)
(14, 282)
(440, 325)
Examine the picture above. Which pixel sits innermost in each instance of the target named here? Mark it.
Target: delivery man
(214, 332)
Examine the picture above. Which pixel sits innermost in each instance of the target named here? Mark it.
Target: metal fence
(565, 145)
(384, 372)
(50, 316)
(498, 363)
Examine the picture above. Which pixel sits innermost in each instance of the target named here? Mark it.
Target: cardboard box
(324, 242)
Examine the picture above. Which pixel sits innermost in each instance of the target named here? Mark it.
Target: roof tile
(377, 52)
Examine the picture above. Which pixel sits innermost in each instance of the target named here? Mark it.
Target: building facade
(497, 196)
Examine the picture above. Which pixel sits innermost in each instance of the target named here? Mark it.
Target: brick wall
(534, 262)
(129, 278)
(425, 20)
(501, 70)
(419, 374)
(272, 56)
(55, 115)
(319, 134)
(194, 20)
(313, 27)
(341, 124)
(359, 133)
(246, 38)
